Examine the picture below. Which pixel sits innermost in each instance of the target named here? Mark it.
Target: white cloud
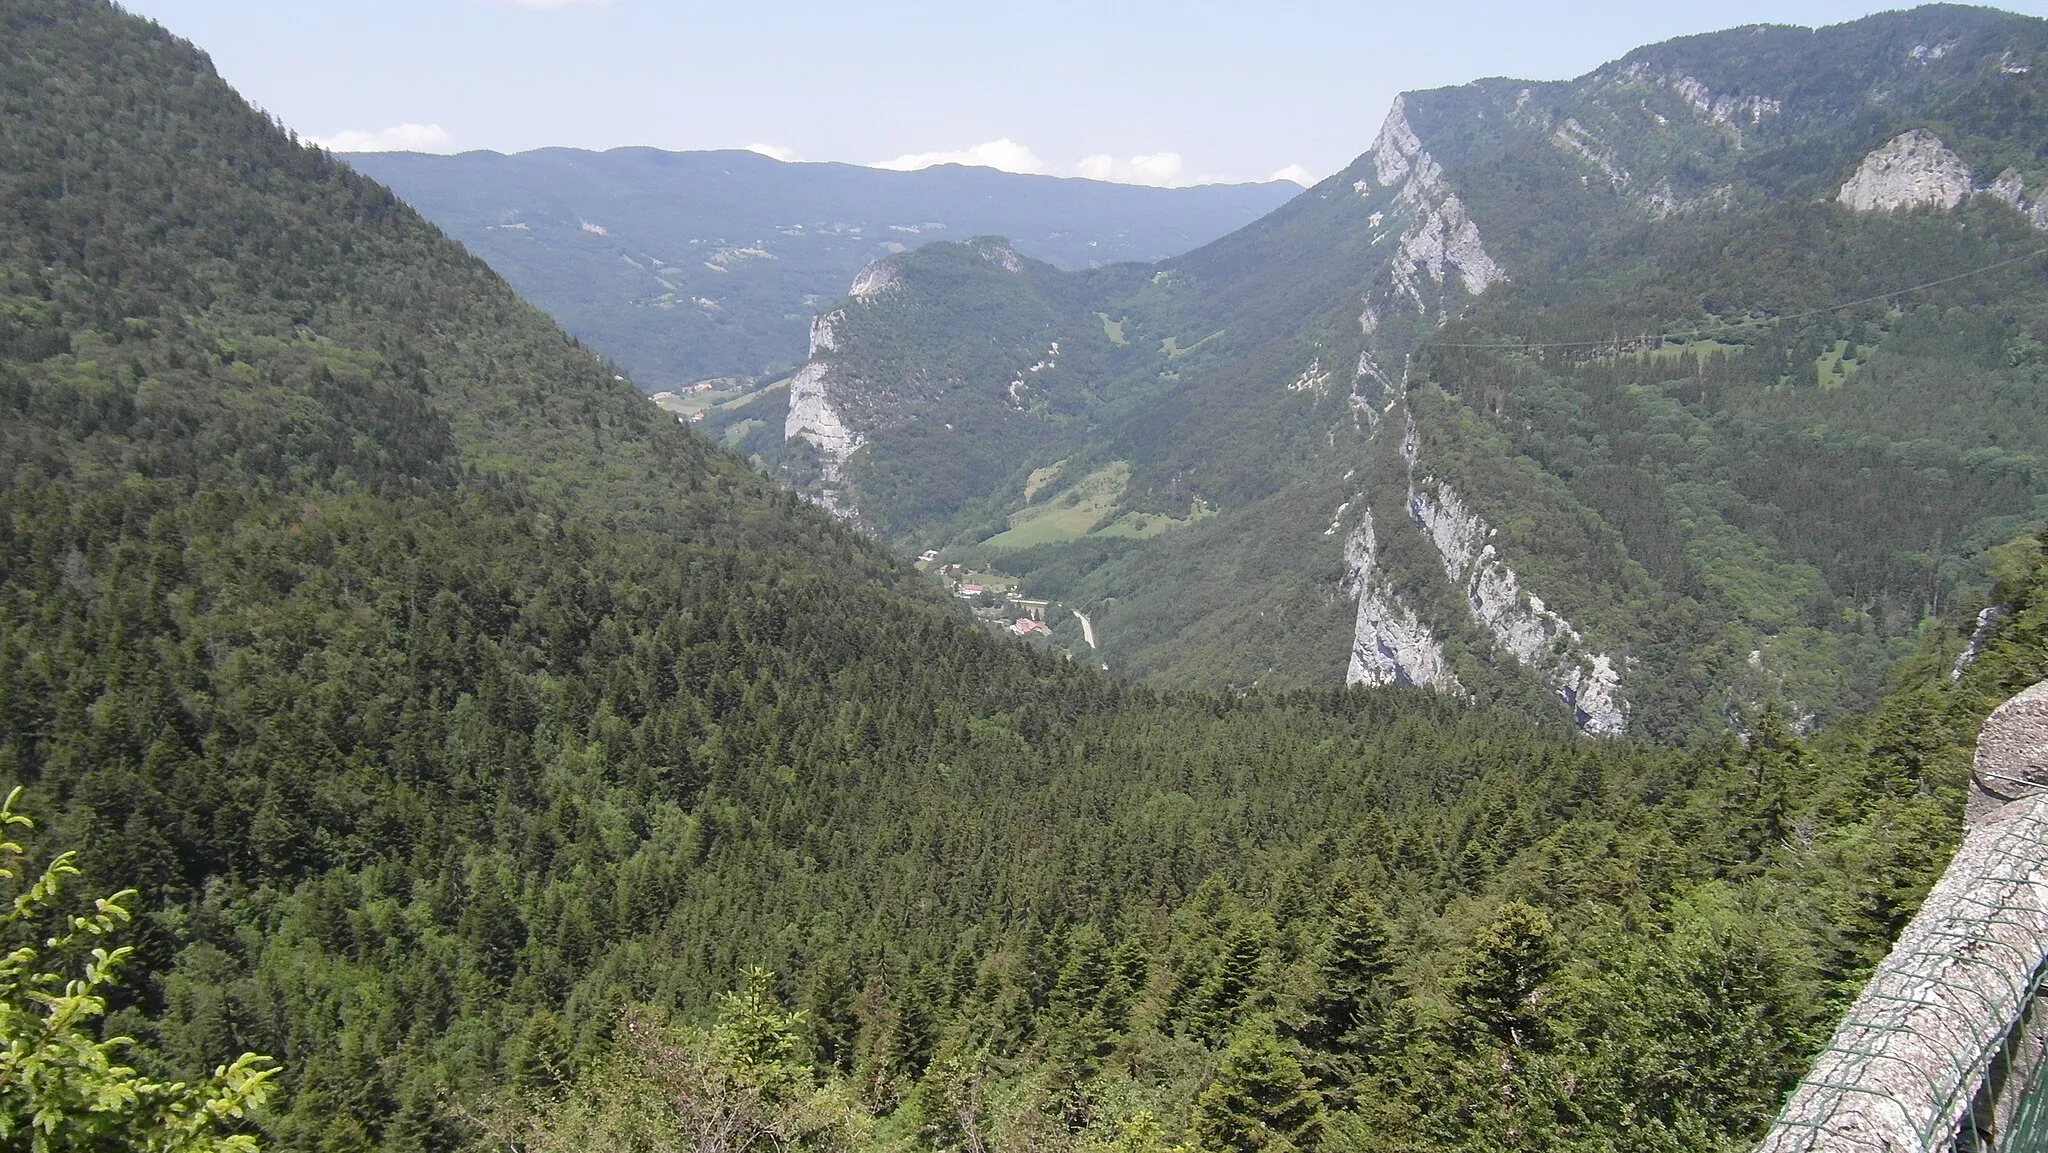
(1005, 154)
(397, 138)
(775, 152)
(1296, 173)
(1162, 169)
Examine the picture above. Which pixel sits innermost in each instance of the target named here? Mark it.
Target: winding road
(1087, 628)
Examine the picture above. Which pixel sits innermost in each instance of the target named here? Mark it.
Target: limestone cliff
(2012, 188)
(1913, 169)
(1437, 236)
(876, 278)
(815, 418)
(1389, 645)
(1517, 621)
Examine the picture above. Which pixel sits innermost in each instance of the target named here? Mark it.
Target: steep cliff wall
(1389, 644)
(815, 418)
(1437, 235)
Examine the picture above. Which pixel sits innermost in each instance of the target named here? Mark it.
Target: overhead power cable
(1744, 325)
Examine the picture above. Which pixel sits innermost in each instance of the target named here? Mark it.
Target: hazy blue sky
(1160, 91)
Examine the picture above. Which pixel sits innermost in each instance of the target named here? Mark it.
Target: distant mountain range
(1439, 420)
(681, 266)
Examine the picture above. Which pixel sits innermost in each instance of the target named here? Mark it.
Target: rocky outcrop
(813, 416)
(1575, 139)
(1912, 169)
(1440, 237)
(878, 277)
(997, 252)
(2011, 764)
(1987, 621)
(1315, 378)
(1697, 95)
(2012, 188)
(1518, 621)
(1389, 644)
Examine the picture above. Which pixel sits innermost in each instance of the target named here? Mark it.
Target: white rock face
(998, 253)
(1389, 645)
(1440, 235)
(813, 417)
(1912, 169)
(1444, 236)
(1730, 111)
(879, 276)
(1575, 139)
(1518, 621)
(1395, 146)
(2011, 188)
(1315, 378)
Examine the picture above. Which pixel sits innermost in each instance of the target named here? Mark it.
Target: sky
(1168, 92)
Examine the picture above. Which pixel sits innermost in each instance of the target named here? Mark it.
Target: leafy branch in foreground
(60, 1088)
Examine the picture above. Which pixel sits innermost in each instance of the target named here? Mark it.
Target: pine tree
(1234, 980)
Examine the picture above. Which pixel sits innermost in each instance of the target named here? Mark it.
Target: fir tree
(1260, 1100)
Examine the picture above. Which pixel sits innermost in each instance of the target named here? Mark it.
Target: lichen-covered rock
(2012, 755)
(1913, 169)
(1911, 1058)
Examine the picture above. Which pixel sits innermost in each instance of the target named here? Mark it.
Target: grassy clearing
(691, 403)
(1701, 347)
(1070, 514)
(1171, 345)
(688, 404)
(1082, 509)
(747, 398)
(1145, 524)
(1039, 478)
(1113, 329)
(1834, 367)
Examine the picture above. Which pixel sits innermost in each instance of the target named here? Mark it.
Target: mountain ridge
(1301, 327)
(691, 265)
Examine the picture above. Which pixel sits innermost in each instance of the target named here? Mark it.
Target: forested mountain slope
(461, 717)
(1326, 501)
(681, 266)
